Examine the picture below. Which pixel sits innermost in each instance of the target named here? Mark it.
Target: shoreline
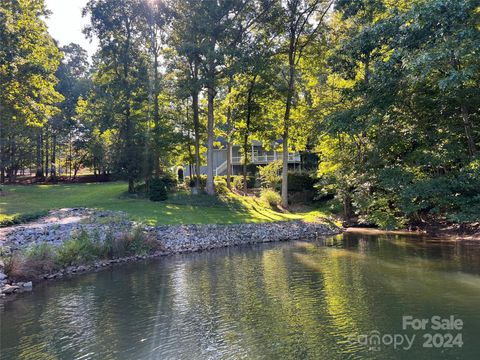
(58, 227)
(445, 234)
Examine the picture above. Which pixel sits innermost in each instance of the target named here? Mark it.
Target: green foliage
(170, 181)
(399, 144)
(270, 175)
(134, 243)
(252, 169)
(137, 243)
(191, 181)
(115, 247)
(455, 197)
(389, 101)
(21, 219)
(81, 249)
(28, 61)
(238, 182)
(85, 248)
(271, 197)
(300, 181)
(40, 259)
(158, 190)
(40, 251)
(221, 186)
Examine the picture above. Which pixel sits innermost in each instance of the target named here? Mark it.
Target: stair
(221, 168)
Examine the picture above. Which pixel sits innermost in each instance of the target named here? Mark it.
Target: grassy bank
(17, 202)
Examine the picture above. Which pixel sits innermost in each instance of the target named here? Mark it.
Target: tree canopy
(384, 94)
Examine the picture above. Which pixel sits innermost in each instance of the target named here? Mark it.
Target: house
(258, 155)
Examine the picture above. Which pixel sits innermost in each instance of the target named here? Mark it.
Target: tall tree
(123, 73)
(28, 61)
(302, 20)
(186, 38)
(74, 83)
(155, 15)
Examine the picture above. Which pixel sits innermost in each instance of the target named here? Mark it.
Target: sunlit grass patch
(180, 208)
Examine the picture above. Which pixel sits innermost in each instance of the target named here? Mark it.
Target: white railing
(265, 159)
(257, 159)
(237, 160)
(221, 168)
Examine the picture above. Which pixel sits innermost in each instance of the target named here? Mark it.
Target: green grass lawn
(180, 208)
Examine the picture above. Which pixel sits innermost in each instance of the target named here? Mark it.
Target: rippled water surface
(300, 300)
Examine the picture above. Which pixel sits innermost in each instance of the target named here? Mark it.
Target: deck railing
(265, 159)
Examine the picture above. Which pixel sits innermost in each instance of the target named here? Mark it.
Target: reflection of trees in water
(292, 300)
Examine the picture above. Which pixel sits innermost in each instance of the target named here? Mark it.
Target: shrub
(191, 181)
(114, 247)
(37, 260)
(238, 182)
(81, 249)
(41, 257)
(134, 243)
(270, 175)
(137, 243)
(271, 197)
(221, 186)
(169, 180)
(300, 181)
(21, 219)
(141, 188)
(158, 190)
(15, 267)
(252, 169)
(224, 178)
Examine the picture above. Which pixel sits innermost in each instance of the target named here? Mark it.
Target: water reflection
(301, 300)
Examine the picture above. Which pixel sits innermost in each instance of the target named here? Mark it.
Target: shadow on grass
(240, 209)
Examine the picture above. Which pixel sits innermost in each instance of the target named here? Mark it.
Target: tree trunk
(286, 123)
(467, 125)
(47, 152)
(211, 68)
(245, 161)
(39, 157)
(347, 208)
(54, 156)
(129, 153)
(2, 152)
(229, 141)
(156, 117)
(247, 132)
(210, 189)
(229, 164)
(70, 151)
(196, 124)
(472, 148)
(190, 156)
(12, 170)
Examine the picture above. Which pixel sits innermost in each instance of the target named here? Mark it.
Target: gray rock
(171, 239)
(28, 285)
(9, 289)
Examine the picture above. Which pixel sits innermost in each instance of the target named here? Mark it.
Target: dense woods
(385, 95)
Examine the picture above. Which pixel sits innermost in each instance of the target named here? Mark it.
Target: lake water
(300, 300)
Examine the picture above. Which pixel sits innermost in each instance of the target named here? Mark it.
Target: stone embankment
(61, 225)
